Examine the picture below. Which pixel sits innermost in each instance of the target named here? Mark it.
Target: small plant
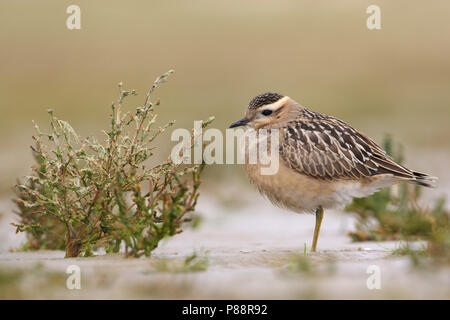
(416, 255)
(300, 264)
(83, 194)
(192, 263)
(310, 266)
(389, 215)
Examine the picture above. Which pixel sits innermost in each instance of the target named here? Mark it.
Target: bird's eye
(266, 112)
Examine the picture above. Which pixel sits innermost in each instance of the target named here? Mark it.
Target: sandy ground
(249, 251)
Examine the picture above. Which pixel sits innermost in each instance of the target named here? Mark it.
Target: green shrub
(83, 194)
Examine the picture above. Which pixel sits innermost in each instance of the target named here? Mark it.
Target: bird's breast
(303, 194)
(290, 189)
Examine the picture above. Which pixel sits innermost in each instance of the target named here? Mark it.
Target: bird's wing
(327, 148)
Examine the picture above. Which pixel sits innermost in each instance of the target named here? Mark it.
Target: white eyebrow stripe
(276, 105)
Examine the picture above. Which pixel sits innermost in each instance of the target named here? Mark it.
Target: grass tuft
(192, 263)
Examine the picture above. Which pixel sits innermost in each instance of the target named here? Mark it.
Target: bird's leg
(319, 217)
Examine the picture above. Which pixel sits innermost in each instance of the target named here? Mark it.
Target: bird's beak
(239, 123)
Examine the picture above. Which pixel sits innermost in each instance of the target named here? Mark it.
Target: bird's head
(265, 110)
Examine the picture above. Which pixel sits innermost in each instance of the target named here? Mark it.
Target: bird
(323, 162)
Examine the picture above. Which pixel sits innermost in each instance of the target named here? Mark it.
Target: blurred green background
(394, 80)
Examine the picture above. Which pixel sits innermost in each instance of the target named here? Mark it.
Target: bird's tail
(423, 179)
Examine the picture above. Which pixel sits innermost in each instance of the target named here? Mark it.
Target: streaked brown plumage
(324, 162)
(324, 147)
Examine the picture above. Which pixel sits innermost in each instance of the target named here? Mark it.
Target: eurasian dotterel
(323, 162)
